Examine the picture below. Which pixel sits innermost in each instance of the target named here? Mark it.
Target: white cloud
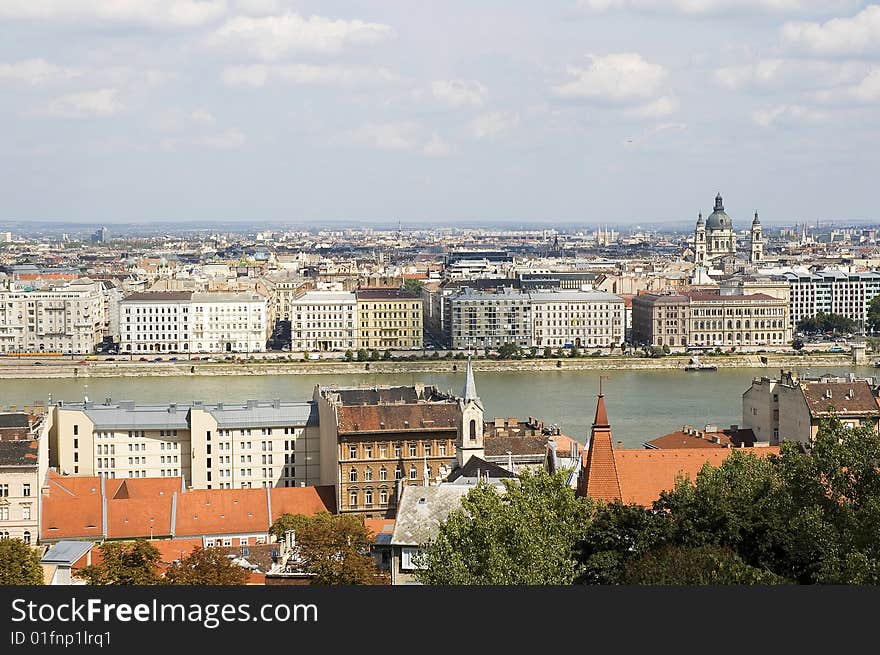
(787, 114)
(35, 72)
(228, 140)
(202, 116)
(405, 135)
(437, 147)
(839, 36)
(617, 77)
(460, 93)
(493, 124)
(790, 74)
(259, 75)
(103, 102)
(274, 37)
(153, 13)
(659, 108)
(707, 7)
(651, 134)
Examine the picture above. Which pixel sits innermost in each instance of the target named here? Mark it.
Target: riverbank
(103, 369)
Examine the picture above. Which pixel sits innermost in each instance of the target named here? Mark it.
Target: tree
(823, 322)
(387, 355)
(205, 566)
(334, 548)
(413, 286)
(362, 355)
(574, 352)
(509, 351)
(124, 563)
(523, 536)
(797, 344)
(374, 355)
(19, 563)
(349, 355)
(560, 352)
(700, 565)
(548, 352)
(666, 349)
(873, 319)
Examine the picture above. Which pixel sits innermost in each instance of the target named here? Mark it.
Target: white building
(584, 319)
(229, 322)
(212, 446)
(832, 292)
(324, 320)
(24, 464)
(180, 322)
(66, 317)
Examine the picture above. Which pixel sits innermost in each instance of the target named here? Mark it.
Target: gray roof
(66, 552)
(250, 414)
(420, 511)
(574, 296)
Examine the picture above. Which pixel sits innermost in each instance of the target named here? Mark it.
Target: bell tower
(700, 241)
(470, 431)
(757, 255)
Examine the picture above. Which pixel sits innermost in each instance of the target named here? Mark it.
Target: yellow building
(389, 319)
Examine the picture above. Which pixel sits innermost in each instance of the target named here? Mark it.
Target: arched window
(26, 537)
(413, 472)
(473, 429)
(368, 497)
(383, 496)
(353, 475)
(383, 473)
(368, 474)
(353, 498)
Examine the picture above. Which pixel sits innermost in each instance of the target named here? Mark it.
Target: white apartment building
(212, 446)
(229, 322)
(583, 319)
(832, 292)
(24, 465)
(323, 321)
(157, 322)
(181, 322)
(58, 317)
(490, 320)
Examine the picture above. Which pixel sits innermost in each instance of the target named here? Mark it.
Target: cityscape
(300, 300)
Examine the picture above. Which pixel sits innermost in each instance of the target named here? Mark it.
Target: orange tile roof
(222, 511)
(380, 526)
(370, 418)
(303, 500)
(66, 516)
(600, 478)
(130, 518)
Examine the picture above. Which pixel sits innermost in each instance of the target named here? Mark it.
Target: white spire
(470, 387)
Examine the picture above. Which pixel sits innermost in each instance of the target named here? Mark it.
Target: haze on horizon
(577, 111)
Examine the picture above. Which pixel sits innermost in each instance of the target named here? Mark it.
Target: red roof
(222, 511)
(411, 416)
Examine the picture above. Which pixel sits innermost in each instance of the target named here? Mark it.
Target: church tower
(470, 432)
(599, 478)
(700, 242)
(757, 242)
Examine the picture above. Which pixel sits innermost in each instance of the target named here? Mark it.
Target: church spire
(700, 221)
(755, 221)
(719, 203)
(469, 392)
(599, 479)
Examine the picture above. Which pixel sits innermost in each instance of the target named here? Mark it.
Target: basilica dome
(718, 220)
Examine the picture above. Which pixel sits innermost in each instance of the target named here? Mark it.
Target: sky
(574, 111)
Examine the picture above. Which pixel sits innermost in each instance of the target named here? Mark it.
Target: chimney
(619, 445)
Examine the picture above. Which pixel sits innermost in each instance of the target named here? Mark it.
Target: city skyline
(583, 111)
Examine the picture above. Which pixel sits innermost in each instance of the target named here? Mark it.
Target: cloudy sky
(587, 111)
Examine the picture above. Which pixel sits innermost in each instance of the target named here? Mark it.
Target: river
(641, 405)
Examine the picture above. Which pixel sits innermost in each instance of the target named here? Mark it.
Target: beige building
(389, 319)
(212, 446)
(58, 317)
(24, 465)
(660, 320)
(792, 409)
(583, 319)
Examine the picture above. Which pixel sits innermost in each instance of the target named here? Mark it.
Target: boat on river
(696, 365)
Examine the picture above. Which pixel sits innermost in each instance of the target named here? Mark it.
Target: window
(353, 498)
(227, 541)
(368, 497)
(473, 429)
(397, 450)
(398, 473)
(352, 452)
(412, 472)
(368, 452)
(383, 496)
(412, 450)
(26, 537)
(4, 513)
(383, 473)
(26, 513)
(4, 490)
(427, 447)
(75, 432)
(442, 448)
(353, 475)
(408, 557)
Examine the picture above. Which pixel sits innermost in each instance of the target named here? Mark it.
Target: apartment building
(24, 465)
(324, 321)
(212, 446)
(185, 321)
(789, 408)
(229, 322)
(65, 317)
(583, 319)
(709, 319)
(490, 320)
(389, 319)
(832, 292)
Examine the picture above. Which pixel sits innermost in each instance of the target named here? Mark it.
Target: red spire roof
(599, 478)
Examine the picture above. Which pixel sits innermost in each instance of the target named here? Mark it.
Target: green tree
(797, 344)
(523, 536)
(349, 355)
(509, 351)
(413, 286)
(873, 320)
(387, 355)
(548, 352)
(823, 322)
(334, 548)
(560, 352)
(205, 566)
(124, 563)
(574, 352)
(374, 355)
(698, 565)
(19, 563)
(362, 355)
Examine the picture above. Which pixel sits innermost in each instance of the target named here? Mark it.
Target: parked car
(110, 359)
(196, 358)
(173, 359)
(157, 359)
(143, 359)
